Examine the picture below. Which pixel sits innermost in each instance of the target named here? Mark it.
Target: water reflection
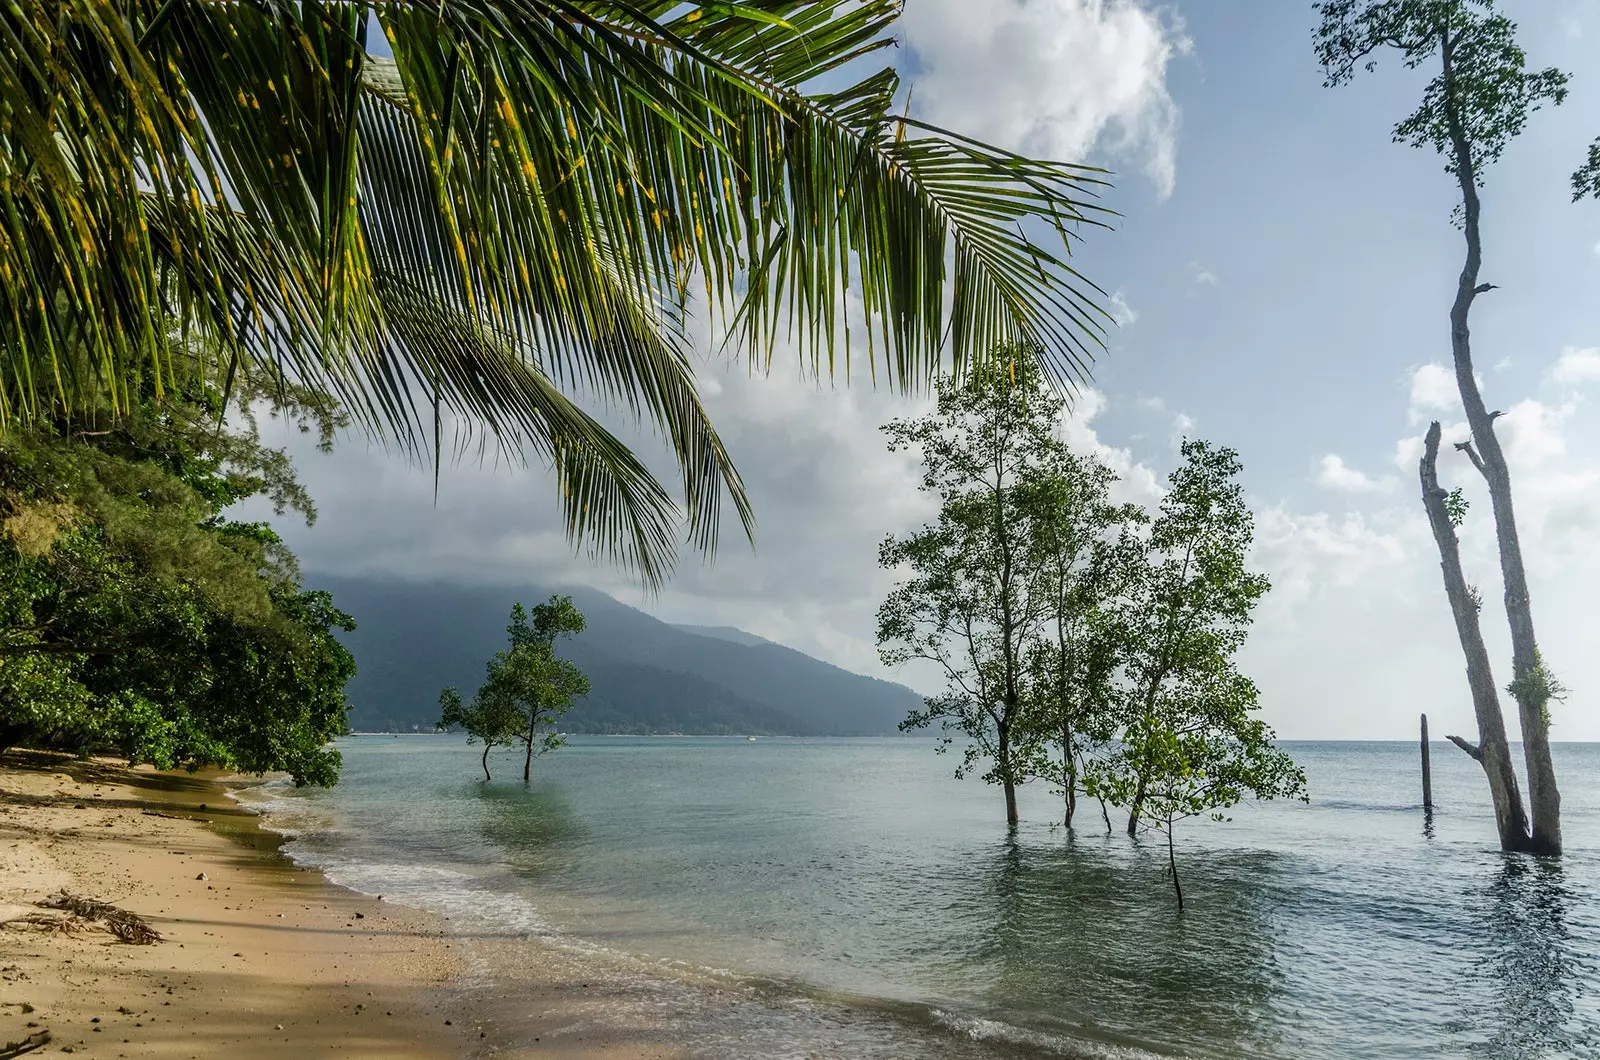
(1092, 935)
(535, 826)
(1528, 968)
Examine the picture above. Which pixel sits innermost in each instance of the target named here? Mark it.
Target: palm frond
(527, 202)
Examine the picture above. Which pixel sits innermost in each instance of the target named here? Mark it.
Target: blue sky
(1284, 273)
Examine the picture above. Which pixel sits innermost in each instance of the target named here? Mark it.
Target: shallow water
(854, 900)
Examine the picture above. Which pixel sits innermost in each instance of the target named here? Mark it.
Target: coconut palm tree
(461, 218)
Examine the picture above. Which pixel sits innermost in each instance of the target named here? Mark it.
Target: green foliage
(528, 686)
(1483, 94)
(1538, 686)
(1185, 706)
(1061, 620)
(1586, 178)
(1456, 507)
(972, 603)
(513, 211)
(135, 616)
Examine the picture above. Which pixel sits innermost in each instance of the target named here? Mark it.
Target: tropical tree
(472, 216)
(1185, 616)
(1188, 742)
(528, 687)
(1085, 556)
(1477, 102)
(973, 603)
(493, 721)
(136, 617)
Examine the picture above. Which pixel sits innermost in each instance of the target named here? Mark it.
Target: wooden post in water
(1427, 771)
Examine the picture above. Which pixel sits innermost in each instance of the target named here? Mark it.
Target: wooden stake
(1427, 771)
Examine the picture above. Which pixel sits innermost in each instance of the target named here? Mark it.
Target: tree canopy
(528, 687)
(1079, 639)
(136, 616)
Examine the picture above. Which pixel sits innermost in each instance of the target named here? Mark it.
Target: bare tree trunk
(1069, 772)
(486, 748)
(1137, 806)
(1172, 865)
(1492, 750)
(1529, 684)
(1003, 762)
(527, 763)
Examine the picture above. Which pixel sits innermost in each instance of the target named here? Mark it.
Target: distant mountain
(413, 639)
(737, 636)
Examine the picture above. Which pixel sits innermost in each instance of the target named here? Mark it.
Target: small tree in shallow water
(528, 688)
(972, 602)
(1187, 743)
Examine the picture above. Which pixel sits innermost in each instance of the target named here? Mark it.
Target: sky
(1281, 274)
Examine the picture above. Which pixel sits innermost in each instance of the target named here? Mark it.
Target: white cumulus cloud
(1335, 474)
(1055, 78)
(1577, 366)
(1123, 313)
(1433, 389)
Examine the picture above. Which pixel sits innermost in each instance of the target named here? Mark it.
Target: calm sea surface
(848, 898)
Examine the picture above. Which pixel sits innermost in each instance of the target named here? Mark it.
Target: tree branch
(1472, 454)
(1472, 749)
(1485, 288)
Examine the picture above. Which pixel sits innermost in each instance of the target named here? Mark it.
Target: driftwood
(44, 922)
(26, 1045)
(129, 927)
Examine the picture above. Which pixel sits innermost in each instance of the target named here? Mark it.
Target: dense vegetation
(135, 616)
(1080, 640)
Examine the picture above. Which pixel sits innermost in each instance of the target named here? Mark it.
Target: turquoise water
(862, 903)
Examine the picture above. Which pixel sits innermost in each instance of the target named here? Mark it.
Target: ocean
(848, 898)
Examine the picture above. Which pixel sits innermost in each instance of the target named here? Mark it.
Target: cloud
(1433, 389)
(1203, 275)
(1305, 554)
(1577, 366)
(1121, 311)
(1503, 363)
(1335, 474)
(1532, 432)
(1054, 78)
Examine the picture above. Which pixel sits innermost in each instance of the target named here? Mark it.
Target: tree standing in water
(1084, 554)
(1477, 102)
(971, 603)
(1188, 743)
(528, 688)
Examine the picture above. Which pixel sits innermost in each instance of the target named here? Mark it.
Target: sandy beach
(258, 958)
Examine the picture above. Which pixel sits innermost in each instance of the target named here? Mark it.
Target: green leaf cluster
(136, 617)
(1484, 92)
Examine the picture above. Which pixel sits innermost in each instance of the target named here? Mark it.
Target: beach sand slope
(259, 958)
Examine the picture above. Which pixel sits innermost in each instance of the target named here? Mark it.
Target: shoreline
(260, 957)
